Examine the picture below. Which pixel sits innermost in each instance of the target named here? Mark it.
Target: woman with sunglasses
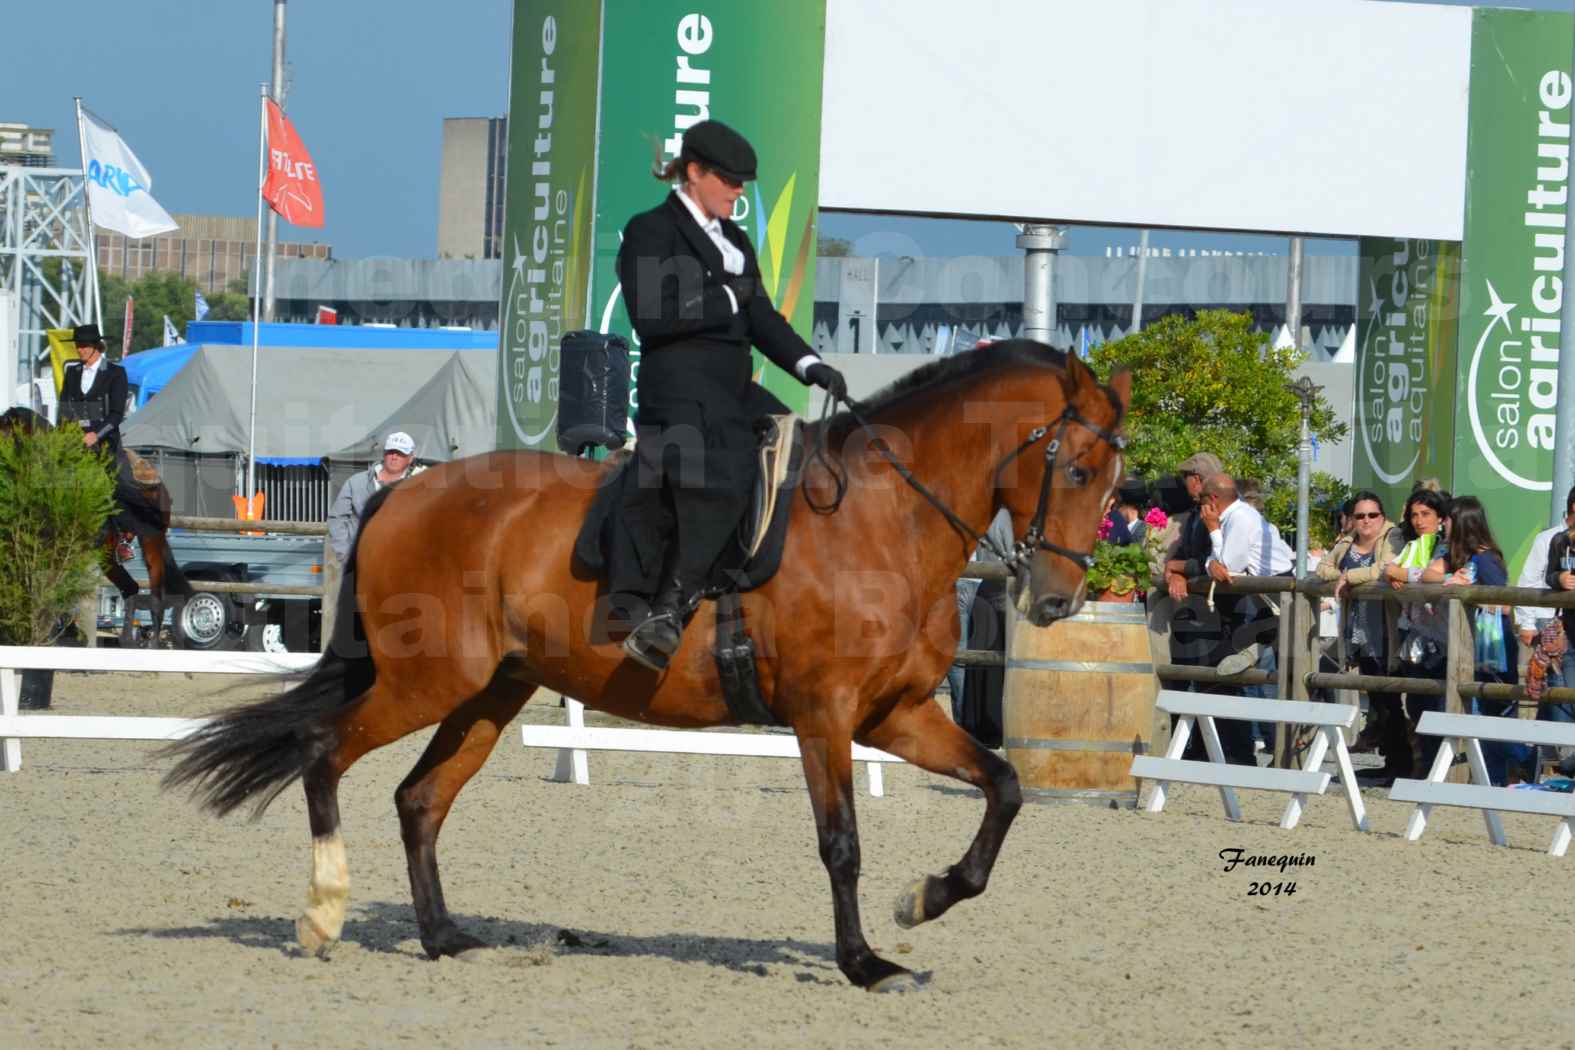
(1370, 627)
(691, 284)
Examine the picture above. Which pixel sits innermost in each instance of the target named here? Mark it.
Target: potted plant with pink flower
(1121, 573)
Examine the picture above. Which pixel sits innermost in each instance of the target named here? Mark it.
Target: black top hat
(87, 335)
(722, 149)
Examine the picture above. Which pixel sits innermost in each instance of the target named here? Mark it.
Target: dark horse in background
(142, 508)
(462, 598)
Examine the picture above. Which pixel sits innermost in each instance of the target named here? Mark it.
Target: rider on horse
(692, 287)
(94, 394)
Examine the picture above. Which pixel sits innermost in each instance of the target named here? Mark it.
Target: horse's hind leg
(382, 716)
(828, 771)
(922, 735)
(459, 748)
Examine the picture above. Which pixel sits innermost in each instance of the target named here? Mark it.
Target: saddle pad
(776, 462)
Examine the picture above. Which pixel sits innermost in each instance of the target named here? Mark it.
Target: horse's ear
(1121, 386)
(1078, 376)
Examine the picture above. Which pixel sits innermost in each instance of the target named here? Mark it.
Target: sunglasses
(1365, 515)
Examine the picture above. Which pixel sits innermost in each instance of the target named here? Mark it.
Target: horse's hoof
(909, 910)
(898, 983)
(314, 940)
(453, 942)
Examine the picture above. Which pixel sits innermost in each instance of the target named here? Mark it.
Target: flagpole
(87, 210)
(262, 174)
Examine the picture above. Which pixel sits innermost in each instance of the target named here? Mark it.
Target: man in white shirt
(1244, 543)
(1529, 619)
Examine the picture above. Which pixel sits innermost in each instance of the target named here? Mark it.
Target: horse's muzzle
(1048, 610)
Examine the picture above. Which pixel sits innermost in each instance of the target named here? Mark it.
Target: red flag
(292, 189)
(327, 315)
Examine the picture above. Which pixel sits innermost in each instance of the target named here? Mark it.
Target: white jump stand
(1204, 708)
(1480, 793)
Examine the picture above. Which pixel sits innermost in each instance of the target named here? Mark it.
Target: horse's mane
(946, 371)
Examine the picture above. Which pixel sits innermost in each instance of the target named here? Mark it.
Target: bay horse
(462, 586)
(144, 509)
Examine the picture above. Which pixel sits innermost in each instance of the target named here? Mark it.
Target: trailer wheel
(265, 638)
(205, 621)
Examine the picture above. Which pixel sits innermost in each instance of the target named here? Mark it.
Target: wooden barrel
(1079, 703)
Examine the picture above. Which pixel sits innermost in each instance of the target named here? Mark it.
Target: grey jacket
(344, 520)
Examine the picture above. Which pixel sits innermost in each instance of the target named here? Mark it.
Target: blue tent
(148, 371)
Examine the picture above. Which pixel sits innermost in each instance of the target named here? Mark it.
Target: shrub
(55, 495)
(1212, 384)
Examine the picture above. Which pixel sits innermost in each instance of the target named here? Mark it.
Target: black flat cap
(719, 147)
(86, 335)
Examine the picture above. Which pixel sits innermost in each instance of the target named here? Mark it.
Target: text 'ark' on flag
(119, 188)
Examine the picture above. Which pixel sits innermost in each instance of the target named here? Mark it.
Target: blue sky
(370, 84)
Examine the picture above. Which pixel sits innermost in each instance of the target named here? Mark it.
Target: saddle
(142, 472)
(764, 529)
(745, 564)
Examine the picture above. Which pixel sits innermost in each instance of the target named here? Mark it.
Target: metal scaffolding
(43, 216)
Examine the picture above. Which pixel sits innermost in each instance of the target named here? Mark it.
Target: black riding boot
(656, 638)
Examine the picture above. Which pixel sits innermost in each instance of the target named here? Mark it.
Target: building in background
(886, 305)
(27, 147)
(470, 188)
(210, 250)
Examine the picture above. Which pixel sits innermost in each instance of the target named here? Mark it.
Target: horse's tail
(253, 752)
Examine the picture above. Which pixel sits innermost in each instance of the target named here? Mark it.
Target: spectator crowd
(1205, 525)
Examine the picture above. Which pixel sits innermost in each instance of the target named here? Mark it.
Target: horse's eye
(1078, 475)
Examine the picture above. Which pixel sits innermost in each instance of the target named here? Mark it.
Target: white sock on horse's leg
(327, 896)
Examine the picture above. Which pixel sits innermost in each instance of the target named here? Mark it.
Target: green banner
(547, 215)
(1518, 146)
(1406, 331)
(757, 67)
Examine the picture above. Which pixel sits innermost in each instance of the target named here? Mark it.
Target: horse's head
(1057, 486)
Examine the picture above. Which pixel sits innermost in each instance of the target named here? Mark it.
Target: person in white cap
(399, 450)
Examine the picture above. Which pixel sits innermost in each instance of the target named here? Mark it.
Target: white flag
(119, 187)
(201, 307)
(171, 336)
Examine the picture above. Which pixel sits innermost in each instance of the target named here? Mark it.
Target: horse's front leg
(920, 733)
(828, 771)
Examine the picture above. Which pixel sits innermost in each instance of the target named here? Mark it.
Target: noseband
(1016, 559)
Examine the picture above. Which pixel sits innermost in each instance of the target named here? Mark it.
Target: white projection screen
(1340, 117)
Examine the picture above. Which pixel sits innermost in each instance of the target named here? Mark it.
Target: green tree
(833, 247)
(157, 294)
(1212, 384)
(55, 495)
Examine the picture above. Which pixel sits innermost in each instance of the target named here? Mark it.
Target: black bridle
(1034, 539)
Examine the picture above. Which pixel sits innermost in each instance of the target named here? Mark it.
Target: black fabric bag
(593, 398)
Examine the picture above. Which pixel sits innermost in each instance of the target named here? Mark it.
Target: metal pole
(1293, 294)
(1306, 392)
(1142, 274)
(1040, 243)
(1564, 405)
(273, 217)
(262, 175)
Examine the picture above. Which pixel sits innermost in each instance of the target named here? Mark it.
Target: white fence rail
(575, 739)
(1204, 708)
(15, 726)
(1480, 793)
